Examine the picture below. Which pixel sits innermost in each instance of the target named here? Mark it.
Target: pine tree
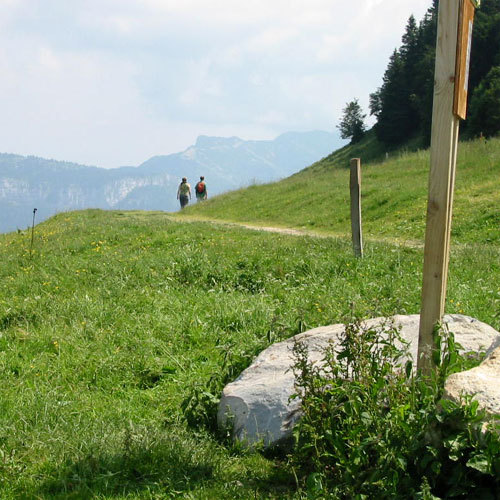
(352, 123)
(484, 109)
(394, 102)
(424, 72)
(376, 103)
(485, 50)
(411, 52)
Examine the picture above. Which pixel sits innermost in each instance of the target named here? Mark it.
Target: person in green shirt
(184, 192)
(201, 189)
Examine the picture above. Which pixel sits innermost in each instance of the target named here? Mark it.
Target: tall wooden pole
(355, 188)
(448, 108)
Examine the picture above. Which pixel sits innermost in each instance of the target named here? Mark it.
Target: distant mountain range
(227, 163)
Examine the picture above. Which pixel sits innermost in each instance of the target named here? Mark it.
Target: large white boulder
(257, 404)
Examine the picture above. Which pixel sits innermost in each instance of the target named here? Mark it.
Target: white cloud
(112, 82)
(271, 38)
(271, 117)
(48, 60)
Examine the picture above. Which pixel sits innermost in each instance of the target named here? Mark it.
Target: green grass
(394, 196)
(118, 316)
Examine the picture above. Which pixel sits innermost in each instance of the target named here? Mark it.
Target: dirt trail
(415, 244)
(298, 232)
(283, 230)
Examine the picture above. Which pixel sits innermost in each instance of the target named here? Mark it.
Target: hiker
(201, 189)
(184, 192)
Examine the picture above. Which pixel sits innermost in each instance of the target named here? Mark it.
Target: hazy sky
(114, 82)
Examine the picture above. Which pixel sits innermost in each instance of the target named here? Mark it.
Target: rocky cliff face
(227, 163)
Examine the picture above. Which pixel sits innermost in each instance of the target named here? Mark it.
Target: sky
(115, 82)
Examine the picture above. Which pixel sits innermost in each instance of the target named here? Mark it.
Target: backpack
(200, 187)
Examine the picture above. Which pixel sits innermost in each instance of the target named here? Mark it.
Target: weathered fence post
(355, 188)
(450, 96)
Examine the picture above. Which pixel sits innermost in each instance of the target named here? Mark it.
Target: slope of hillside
(394, 195)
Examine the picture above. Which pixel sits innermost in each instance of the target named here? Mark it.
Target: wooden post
(444, 139)
(355, 188)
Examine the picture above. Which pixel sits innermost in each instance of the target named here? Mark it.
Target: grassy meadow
(114, 319)
(394, 196)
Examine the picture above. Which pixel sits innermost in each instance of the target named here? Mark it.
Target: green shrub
(373, 428)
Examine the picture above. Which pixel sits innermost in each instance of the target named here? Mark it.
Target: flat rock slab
(257, 404)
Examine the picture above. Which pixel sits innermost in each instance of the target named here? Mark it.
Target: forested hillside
(403, 103)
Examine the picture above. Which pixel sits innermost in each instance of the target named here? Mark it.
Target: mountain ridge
(228, 163)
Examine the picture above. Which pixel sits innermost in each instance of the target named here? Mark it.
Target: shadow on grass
(171, 468)
(168, 466)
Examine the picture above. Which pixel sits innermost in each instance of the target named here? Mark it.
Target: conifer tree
(394, 102)
(352, 123)
(424, 72)
(484, 108)
(411, 52)
(485, 51)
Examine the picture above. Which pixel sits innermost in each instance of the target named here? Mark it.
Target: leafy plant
(373, 428)
(200, 406)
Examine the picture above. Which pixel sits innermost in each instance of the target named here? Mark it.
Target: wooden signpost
(455, 18)
(355, 188)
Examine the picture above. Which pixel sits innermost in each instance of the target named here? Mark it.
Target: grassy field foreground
(116, 318)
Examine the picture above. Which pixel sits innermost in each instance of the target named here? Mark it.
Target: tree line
(402, 105)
